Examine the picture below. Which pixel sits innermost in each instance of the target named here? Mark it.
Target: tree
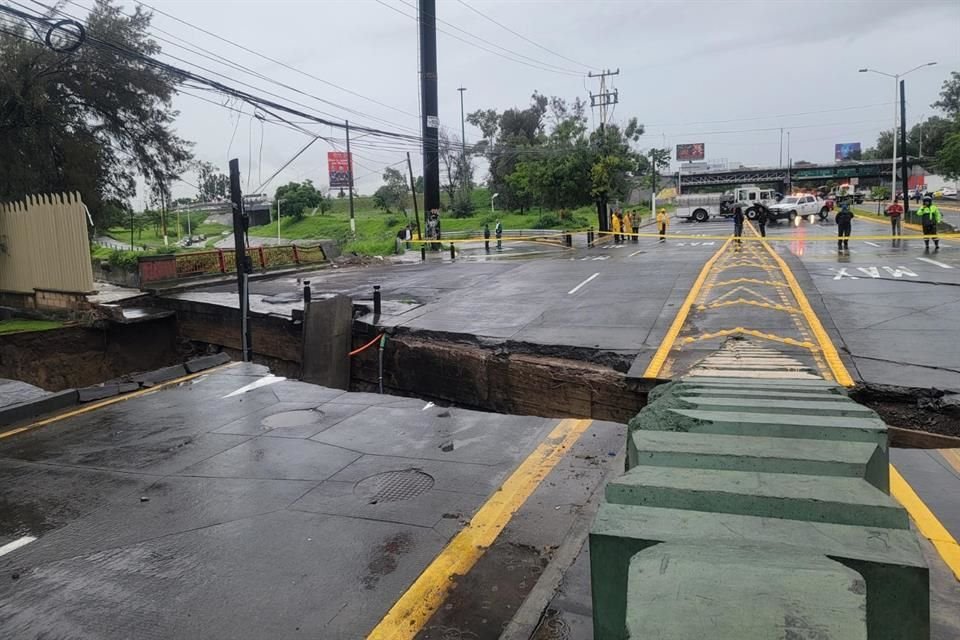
(213, 184)
(296, 196)
(948, 159)
(394, 193)
(326, 203)
(949, 101)
(659, 160)
(90, 120)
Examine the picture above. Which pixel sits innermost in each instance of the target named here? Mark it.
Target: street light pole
(492, 198)
(896, 99)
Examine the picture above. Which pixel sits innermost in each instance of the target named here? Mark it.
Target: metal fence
(220, 261)
(44, 245)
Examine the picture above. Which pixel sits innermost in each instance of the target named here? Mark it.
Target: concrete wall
(327, 324)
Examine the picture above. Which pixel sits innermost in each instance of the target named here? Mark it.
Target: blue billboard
(846, 151)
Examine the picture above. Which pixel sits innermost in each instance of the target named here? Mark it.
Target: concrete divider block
(107, 390)
(206, 362)
(751, 453)
(159, 376)
(890, 560)
(50, 403)
(773, 495)
(778, 405)
(761, 394)
(662, 417)
(753, 382)
(679, 592)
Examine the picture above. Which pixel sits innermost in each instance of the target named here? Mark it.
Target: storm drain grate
(394, 486)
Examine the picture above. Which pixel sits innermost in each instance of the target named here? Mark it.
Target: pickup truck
(792, 207)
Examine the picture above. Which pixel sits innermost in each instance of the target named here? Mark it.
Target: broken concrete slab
(673, 594)
(752, 453)
(760, 394)
(746, 384)
(206, 362)
(102, 391)
(773, 495)
(158, 376)
(890, 560)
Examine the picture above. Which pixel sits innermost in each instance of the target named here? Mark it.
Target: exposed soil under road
(923, 410)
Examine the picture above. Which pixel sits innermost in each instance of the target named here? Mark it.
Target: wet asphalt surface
(285, 511)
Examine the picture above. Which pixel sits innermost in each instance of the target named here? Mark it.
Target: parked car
(946, 192)
(801, 206)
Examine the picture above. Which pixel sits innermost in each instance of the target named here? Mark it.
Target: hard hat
(663, 210)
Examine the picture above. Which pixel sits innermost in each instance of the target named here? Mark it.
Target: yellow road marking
(840, 373)
(927, 523)
(415, 607)
(769, 283)
(751, 332)
(952, 456)
(656, 364)
(103, 403)
(755, 303)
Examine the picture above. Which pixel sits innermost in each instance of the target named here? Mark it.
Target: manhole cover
(292, 418)
(394, 486)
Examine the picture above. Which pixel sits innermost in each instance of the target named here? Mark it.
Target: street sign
(338, 167)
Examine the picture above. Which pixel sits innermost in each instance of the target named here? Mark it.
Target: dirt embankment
(80, 356)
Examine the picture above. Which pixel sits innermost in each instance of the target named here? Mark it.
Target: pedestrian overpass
(876, 170)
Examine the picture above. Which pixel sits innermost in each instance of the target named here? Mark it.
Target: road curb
(54, 402)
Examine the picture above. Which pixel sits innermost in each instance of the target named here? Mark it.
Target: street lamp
(279, 201)
(492, 198)
(896, 84)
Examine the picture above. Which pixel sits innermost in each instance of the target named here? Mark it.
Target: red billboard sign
(690, 151)
(338, 166)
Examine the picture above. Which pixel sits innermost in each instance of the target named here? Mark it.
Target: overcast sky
(690, 71)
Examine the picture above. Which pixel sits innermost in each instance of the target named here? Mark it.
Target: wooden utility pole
(240, 257)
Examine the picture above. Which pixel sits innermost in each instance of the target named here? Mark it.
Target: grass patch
(150, 237)
(20, 325)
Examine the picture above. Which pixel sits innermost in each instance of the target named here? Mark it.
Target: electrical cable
(523, 37)
(537, 66)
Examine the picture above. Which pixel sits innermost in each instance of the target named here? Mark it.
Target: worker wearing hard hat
(627, 226)
(615, 225)
(663, 221)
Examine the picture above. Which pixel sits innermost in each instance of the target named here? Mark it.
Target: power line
(541, 66)
(275, 61)
(219, 59)
(523, 37)
(770, 117)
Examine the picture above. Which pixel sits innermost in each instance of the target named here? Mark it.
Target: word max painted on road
(872, 272)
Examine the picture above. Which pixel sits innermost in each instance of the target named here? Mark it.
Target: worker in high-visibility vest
(627, 227)
(930, 217)
(615, 225)
(663, 221)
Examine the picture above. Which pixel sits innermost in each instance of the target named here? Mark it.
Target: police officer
(930, 217)
(738, 224)
(844, 220)
(498, 231)
(486, 236)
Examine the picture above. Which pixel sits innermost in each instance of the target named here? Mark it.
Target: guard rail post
(307, 294)
(376, 300)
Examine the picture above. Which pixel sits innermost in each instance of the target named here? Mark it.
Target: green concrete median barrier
(774, 495)
(890, 561)
(752, 453)
(678, 592)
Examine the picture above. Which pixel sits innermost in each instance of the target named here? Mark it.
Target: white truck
(700, 207)
(799, 206)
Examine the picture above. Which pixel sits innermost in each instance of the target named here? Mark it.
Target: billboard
(690, 151)
(846, 151)
(338, 166)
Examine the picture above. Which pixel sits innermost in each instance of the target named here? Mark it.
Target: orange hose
(366, 346)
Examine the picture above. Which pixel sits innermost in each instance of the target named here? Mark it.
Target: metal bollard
(590, 237)
(453, 255)
(307, 295)
(569, 239)
(423, 252)
(376, 299)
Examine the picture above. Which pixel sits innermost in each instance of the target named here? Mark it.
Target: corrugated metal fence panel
(46, 245)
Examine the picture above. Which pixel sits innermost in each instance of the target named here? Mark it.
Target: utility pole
(463, 142)
(789, 166)
(903, 152)
(416, 213)
(353, 223)
(430, 124)
(240, 258)
(603, 100)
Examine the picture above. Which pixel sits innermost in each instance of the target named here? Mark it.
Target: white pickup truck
(793, 207)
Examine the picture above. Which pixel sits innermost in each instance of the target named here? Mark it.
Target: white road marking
(900, 271)
(427, 406)
(934, 262)
(256, 384)
(577, 288)
(872, 244)
(601, 258)
(843, 272)
(16, 544)
(873, 272)
(635, 253)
